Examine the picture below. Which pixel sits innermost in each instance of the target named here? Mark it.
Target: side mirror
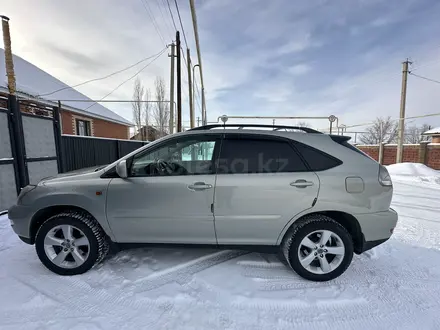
(121, 169)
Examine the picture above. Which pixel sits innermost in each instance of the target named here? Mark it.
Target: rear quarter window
(317, 159)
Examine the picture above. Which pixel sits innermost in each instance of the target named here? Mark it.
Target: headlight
(24, 191)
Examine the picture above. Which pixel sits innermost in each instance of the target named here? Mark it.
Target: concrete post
(423, 151)
(381, 152)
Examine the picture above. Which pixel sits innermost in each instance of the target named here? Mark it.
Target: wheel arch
(347, 220)
(45, 213)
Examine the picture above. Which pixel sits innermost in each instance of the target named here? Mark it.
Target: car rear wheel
(318, 248)
(70, 243)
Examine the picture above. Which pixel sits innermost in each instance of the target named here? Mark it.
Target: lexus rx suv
(313, 198)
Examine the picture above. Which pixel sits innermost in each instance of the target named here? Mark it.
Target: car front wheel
(318, 248)
(70, 243)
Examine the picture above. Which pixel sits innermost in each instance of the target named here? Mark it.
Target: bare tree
(414, 135)
(147, 110)
(303, 124)
(136, 104)
(382, 130)
(161, 113)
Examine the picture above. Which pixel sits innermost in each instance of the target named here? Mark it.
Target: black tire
(305, 226)
(98, 241)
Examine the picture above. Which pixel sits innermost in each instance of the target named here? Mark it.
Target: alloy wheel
(321, 252)
(66, 246)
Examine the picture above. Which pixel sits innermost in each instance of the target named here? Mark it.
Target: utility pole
(8, 55)
(179, 84)
(199, 58)
(171, 124)
(402, 111)
(190, 96)
(21, 178)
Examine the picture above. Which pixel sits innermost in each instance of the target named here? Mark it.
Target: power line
(153, 21)
(184, 58)
(117, 87)
(421, 77)
(171, 13)
(180, 19)
(168, 26)
(101, 78)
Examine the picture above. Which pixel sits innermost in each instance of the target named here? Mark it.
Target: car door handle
(301, 183)
(197, 186)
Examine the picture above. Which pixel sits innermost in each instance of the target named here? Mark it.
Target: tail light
(384, 177)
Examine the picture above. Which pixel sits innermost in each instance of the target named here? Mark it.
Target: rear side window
(242, 155)
(316, 159)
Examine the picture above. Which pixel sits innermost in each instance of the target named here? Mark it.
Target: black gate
(9, 180)
(32, 147)
(29, 145)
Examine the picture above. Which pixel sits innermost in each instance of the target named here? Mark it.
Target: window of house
(240, 156)
(180, 157)
(83, 127)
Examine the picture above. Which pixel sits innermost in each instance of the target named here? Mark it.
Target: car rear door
(261, 184)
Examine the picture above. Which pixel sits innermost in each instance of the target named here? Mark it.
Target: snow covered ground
(394, 286)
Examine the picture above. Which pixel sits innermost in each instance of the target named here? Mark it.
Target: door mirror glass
(121, 169)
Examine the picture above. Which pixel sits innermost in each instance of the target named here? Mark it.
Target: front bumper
(20, 216)
(376, 227)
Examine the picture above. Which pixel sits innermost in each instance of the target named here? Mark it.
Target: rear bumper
(376, 228)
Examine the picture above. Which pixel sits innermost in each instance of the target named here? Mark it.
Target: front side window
(176, 157)
(239, 156)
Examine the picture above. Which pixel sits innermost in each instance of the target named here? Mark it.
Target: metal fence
(29, 145)
(8, 188)
(32, 147)
(81, 151)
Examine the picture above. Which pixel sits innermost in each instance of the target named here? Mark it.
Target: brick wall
(433, 156)
(412, 153)
(372, 151)
(111, 130)
(98, 127)
(66, 122)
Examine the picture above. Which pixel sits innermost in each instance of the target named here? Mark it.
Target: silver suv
(310, 197)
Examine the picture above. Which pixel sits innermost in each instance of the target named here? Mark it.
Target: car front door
(261, 184)
(168, 195)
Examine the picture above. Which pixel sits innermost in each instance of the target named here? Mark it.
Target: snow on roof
(33, 81)
(432, 131)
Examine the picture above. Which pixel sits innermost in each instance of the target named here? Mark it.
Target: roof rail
(240, 126)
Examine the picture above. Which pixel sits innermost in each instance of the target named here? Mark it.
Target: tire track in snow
(102, 302)
(428, 198)
(417, 206)
(183, 272)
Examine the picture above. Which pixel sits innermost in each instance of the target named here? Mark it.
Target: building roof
(33, 81)
(434, 131)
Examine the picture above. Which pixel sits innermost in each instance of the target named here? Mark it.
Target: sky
(311, 58)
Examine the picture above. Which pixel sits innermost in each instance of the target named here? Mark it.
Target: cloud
(299, 69)
(279, 57)
(296, 46)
